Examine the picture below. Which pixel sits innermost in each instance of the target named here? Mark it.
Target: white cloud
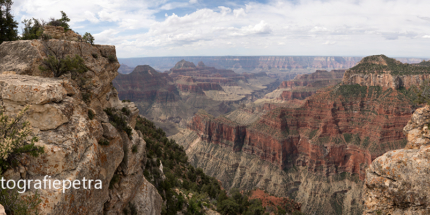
(306, 27)
(90, 17)
(239, 12)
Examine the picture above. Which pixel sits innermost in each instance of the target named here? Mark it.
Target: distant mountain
(171, 98)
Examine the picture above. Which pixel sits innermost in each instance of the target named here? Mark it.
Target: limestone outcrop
(303, 86)
(57, 32)
(380, 70)
(397, 182)
(59, 116)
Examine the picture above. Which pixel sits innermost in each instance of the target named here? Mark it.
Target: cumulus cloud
(307, 27)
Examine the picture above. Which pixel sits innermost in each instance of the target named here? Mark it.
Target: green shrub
(46, 37)
(14, 142)
(104, 142)
(33, 29)
(348, 137)
(13, 203)
(134, 148)
(422, 93)
(88, 38)
(115, 179)
(112, 59)
(58, 63)
(118, 121)
(91, 114)
(95, 55)
(125, 100)
(13, 139)
(126, 111)
(63, 22)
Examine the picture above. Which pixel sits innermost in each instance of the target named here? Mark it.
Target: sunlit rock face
(59, 116)
(396, 182)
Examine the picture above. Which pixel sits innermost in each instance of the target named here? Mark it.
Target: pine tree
(8, 26)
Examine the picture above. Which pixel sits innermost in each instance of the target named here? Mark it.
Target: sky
(149, 28)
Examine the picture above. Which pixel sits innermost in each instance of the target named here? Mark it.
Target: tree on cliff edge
(8, 26)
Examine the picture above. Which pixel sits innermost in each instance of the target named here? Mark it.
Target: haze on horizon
(396, 28)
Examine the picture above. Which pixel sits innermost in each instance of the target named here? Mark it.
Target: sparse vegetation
(111, 59)
(13, 139)
(63, 22)
(14, 142)
(88, 38)
(91, 114)
(60, 62)
(33, 29)
(117, 119)
(115, 179)
(185, 178)
(376, 63)
(422, 93)
(103, 142)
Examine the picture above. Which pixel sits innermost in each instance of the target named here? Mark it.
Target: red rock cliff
(339, 130)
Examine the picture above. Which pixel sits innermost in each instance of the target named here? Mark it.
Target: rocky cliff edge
(59, 116)
(398, 181)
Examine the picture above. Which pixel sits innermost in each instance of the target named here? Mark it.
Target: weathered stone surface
(397, 182)
(59, 117)
(147, 200)
(417, 129)
(57, 32)
(31, 90)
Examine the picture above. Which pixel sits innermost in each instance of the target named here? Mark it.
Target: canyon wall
(171, 98)
(59, 116)
(303, 86)
(316, 153)
(249, 63)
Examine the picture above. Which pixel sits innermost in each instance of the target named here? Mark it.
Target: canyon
(173, 97)
(315, 152)
(305, 85)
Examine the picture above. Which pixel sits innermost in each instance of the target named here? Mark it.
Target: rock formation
(171, 98)
(379, 70)
(396, 182)
(303, 86)
(124, 69)
(252, 62)
(57, 32)
(59, 116)
(316, 153)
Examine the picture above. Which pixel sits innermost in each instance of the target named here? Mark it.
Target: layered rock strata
(60, 118)
(171, 98)
(316, 153)
(380, 70)
(303, 86)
